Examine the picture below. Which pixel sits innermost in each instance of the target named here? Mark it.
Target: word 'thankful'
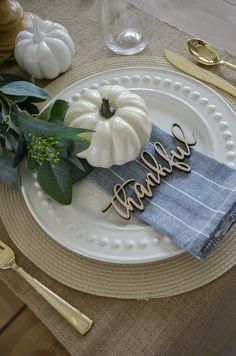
(124, 204)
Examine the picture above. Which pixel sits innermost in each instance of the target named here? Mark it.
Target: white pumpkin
(120, 120)
(44, 49)
(28, 20)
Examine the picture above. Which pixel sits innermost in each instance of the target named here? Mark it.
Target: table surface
(22, 333)
(211, 20)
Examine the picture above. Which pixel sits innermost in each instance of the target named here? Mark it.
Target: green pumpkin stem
(107, 110)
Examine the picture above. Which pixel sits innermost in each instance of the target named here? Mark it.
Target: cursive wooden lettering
(170, 159)
(119, 200)
(124, 205)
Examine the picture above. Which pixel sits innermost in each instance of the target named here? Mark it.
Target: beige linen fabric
(195, 323)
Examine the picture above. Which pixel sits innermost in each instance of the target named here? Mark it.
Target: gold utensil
(77, 319)
(192, 69)
(204, 53)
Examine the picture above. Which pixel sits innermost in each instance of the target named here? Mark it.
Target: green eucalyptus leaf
(8, 174)
(21, 151)
(17, 99)
(77, 174)
(31, 162)
(78, 147)
(45, 113)
(13, 127)
(23, 88)
(54, 112)
(38, 127)
(56, 181)
(4, 109)
(70, 144)
(76, 161)
(72, 148)
(33, 99)
(58, 111)
(10, 141)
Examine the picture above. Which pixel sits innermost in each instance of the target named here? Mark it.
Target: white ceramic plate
(170, 97)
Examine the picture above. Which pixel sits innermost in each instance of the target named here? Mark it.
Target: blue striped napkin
(194, 209)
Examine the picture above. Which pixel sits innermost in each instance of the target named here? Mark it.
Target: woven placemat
(159, 279)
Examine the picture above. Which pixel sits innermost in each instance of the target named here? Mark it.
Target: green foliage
(8, 174)
(36, 127)
(23, 88)
(45, 149)
(20, 150)
(54, 112)
(48, 145)
(56, 181)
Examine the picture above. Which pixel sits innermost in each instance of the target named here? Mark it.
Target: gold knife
(192, 69)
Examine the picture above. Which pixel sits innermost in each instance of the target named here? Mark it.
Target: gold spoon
(206, 54)
(77, 319)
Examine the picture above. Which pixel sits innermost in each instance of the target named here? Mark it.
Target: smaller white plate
(82, 227)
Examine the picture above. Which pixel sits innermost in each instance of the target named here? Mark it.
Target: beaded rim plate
(170, 97)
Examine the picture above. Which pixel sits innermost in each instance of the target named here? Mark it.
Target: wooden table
(21, 333)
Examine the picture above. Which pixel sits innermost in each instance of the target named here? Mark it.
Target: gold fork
(77, 319)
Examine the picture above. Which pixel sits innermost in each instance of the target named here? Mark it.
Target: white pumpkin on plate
(44, 49)
(120, 120)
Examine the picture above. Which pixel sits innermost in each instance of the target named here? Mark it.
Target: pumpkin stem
(36, 30)
(107, 110)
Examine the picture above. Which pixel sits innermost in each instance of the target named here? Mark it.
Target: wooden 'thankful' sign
(124, 204)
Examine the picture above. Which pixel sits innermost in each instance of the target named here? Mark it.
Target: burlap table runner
(195, 323)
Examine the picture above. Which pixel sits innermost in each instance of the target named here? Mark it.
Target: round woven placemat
(151, 280)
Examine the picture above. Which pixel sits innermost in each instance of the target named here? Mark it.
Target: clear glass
(126, 29)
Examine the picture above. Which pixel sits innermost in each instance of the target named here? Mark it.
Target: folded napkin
(194, 209)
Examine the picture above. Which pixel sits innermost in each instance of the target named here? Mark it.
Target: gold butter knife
(192, 69)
